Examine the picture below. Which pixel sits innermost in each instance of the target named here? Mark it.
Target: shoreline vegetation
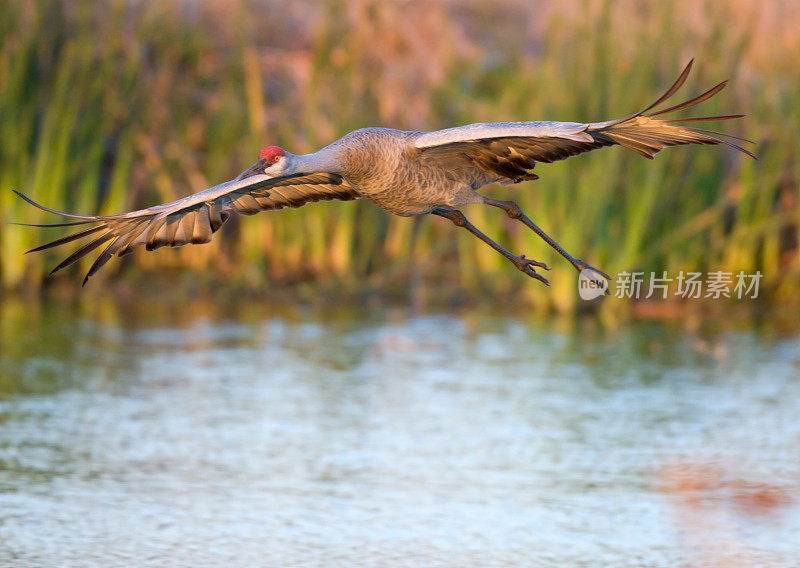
(165, 298)
(113, 106)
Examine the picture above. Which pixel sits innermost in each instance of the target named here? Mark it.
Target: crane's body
(394, 169)
(384, 166)
(406, 173)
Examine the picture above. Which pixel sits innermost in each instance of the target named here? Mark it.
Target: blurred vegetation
(111, 106)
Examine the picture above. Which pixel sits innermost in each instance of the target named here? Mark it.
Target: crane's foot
(529, 267)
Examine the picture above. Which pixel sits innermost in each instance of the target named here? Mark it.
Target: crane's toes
(521, 260)
(533, 274)
(529, 267)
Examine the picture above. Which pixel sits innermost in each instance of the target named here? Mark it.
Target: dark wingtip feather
(695, 101)
(700, 130)
(706, 118)
(728, 143)
(103, 258)
(48, 225)
(83, 251)
(67, 239)
(671, 91)
(43, 208)
(675, 86)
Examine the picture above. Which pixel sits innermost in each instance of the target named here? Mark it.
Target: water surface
(183, 436)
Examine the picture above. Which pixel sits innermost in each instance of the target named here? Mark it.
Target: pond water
(183, 435)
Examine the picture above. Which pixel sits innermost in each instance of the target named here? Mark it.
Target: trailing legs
(525, 265)
(514, 212)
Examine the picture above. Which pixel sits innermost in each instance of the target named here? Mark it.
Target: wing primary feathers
(47, 225)
(43, 208)
(647, 135)
(697, 100)
(702, 118)
(86, 249)
(103, 258)
(671, 91)
(692, 129)
(67, 239)
(192, 219)
(731, 144)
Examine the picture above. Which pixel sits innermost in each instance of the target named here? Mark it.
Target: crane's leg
(513, 211)
(525, 265)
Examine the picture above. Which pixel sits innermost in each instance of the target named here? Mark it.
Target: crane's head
(271, 155)
(272, 161)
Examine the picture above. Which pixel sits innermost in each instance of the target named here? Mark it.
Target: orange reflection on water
(724, 512)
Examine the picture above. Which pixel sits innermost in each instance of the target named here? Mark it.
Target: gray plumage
(406, 173)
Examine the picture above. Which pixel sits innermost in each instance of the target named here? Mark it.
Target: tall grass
(117, 105)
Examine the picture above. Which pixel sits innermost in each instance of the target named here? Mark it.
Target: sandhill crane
(406, 173)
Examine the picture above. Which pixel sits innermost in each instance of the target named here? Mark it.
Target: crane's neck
(326, 160)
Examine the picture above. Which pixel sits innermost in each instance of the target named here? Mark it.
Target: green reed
(111, 106)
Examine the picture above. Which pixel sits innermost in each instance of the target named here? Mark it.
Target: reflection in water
(189, 435)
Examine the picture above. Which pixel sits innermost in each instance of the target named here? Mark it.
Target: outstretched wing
(508, 150)
(192, 219)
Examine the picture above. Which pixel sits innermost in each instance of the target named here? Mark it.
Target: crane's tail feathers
(647, 135)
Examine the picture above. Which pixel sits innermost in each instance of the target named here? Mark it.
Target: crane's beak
(254, 170)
